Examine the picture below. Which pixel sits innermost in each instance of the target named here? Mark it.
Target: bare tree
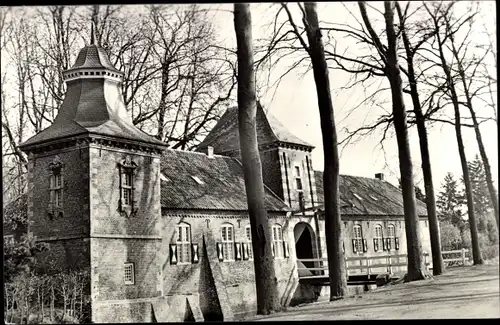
(469, 93)
(265, 279)
(333, 223)
(437, 257)
(437, 14)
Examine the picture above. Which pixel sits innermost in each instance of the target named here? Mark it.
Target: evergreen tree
(480, 194)
(419, 194)
(450, 202)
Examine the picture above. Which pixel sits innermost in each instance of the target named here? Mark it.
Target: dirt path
(463, 292)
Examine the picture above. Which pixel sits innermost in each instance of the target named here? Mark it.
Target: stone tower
(94, 187)
(286, 160)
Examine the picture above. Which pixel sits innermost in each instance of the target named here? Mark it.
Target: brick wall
(271, 172)
(119, 238)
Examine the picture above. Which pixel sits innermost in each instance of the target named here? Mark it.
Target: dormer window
(127, 172)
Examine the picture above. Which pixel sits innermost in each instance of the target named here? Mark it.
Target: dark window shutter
(384, 244)
(272, 249)
(244, 247)
(173, 254)
(354, 246)
(389, 244)
(237, 251)
(285, 249)
(194, 253)
(375, 244)
(396, 243)
(219, 252)
(365, 245)
(343, 248)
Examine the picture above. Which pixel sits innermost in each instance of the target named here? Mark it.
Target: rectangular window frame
(358, 240)
(56, 188)
(129, 273)
(277, 240)
(248, 237)
(183, 242)
(228, 252)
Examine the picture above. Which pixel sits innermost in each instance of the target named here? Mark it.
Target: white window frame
(227, 236)
(248, 236)
(391, 236)
(129, 273)
(378, 238)
(358, 239)
(183, 242)
(277, 240)
(127, 185)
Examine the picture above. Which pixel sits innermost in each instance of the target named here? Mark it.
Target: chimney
(210, 152)
(379, 176)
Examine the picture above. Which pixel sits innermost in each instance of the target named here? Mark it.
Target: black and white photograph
(260, 161)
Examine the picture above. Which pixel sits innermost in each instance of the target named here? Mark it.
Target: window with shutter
(358, 239)
(377, 239)
(249, 249)
(277, 240)
(227, 235)
(183, 241)
(391, 237)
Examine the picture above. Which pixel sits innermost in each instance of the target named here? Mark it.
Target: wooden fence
(368, 265)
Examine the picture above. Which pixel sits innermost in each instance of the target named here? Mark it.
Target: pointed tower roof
(224, 137)
(93, 104)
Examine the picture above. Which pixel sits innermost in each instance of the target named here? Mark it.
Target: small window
(298, 179)
(358, 239)
(197, 180)
(129, 275)
(277, 237)
(227, 235)
(127, 177)
(391, 235)
(183, 241)
(56, 188)
(248, 236)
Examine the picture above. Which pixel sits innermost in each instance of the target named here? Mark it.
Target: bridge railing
(368, 265)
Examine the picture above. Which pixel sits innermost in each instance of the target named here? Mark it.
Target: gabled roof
(363, 195)
(222, 185)
(224, 137)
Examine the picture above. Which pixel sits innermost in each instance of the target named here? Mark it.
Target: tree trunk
(416, 265)
(476, 253)
(479, 138)
(437, 257)
(333, 223)
(265, 280)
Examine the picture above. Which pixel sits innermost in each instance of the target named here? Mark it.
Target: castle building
(165, 233)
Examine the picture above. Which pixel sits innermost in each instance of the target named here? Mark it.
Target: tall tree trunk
(416, 266)
(437, 257)
(265, 280)
(479, 138)
(476, 253)
(333, 223)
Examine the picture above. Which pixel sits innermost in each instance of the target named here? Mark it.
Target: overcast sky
(295, 105)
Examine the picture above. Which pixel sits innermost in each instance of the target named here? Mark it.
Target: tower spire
(92, 33)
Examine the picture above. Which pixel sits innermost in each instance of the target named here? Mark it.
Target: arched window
(227, 234)
(183, 241)
(391, 237)
(248, 236)
(377, 239)
(277, 235)
(357, 241)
